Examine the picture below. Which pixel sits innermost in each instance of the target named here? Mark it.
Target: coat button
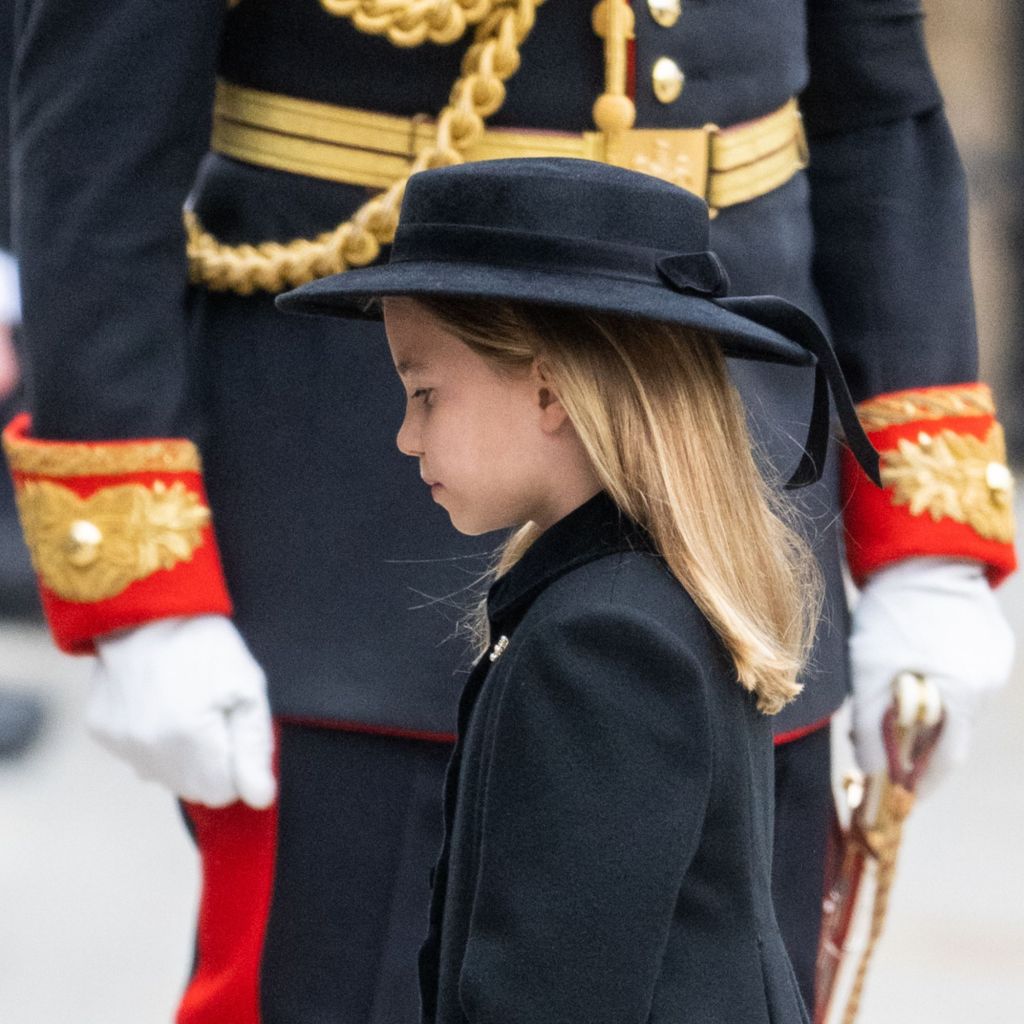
(667, 78)
(665, 12)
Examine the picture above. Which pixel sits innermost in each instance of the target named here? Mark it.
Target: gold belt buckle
(681, 156)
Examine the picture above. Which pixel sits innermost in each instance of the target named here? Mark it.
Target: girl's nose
(407, 439)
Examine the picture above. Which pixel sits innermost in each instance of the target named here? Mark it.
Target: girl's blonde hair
(655, 410)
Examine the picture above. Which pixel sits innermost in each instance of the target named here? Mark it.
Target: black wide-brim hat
(586, 235)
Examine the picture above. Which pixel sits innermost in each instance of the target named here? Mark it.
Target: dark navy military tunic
(348, 582)
(608, 807)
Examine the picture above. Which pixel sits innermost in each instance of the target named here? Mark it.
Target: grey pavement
(98, 881)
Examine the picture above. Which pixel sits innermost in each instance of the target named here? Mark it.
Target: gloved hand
(10, 317)
(8, 361)
(185, 704)
(938, 617)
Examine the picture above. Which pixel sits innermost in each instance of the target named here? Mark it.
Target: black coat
(335, 558)
(608, 807)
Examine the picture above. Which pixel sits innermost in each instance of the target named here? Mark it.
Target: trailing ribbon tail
(863, 450)
(793, 323)
(812, 462)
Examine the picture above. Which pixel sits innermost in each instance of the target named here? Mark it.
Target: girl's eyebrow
(407, 366)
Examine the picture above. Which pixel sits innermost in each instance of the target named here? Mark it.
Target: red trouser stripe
(237, 847)
(801, 732)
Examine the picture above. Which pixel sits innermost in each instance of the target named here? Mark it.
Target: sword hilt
(911, 727)
(856, 905)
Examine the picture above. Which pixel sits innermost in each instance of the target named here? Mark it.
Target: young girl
(560, 330)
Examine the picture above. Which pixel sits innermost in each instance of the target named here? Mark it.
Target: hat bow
(698, 273)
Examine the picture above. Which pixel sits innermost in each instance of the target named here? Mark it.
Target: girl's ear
(549, 406)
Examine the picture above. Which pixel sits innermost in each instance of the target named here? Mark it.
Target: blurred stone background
(98, 882)
(977, 47)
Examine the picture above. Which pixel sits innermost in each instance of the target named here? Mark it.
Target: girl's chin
(475, 525)
(469, 527)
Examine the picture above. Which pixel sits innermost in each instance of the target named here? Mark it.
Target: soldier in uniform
(293, 125)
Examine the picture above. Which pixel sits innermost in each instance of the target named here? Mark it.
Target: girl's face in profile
(494, 447)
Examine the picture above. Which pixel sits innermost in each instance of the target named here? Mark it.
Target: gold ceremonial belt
(359, 147)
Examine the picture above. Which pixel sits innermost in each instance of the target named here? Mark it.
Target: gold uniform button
(665, 12)
(1000, 483)
(83, 543)
(667, 78)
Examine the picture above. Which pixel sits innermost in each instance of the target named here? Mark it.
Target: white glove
(10, 292)
(9, 374)
(938, 617)
(10, 316)
(185, 703)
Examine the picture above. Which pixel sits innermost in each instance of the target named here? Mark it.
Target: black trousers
(803, 812)
(347, 853)
(359, 831)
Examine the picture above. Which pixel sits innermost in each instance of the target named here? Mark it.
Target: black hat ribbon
(799, 327)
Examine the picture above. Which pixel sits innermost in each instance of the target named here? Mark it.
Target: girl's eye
(423, 393)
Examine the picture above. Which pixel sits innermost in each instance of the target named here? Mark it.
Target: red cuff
(119, 532)
(947, 491)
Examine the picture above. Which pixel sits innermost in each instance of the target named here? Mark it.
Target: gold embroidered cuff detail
(92, 549)
(80, 458)
(954, 476)
(933, 404)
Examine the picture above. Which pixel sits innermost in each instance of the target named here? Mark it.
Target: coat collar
(594, 529)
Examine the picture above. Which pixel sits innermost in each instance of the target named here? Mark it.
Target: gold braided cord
(613, 21)
(929, 404)
(409, 23)
(477, 94)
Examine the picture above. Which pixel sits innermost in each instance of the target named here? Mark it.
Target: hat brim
(355, 294)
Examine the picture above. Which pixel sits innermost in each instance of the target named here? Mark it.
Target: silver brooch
(499, 648)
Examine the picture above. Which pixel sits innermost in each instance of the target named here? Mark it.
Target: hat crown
(561, 198)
